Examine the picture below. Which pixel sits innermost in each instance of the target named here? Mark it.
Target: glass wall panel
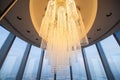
(96, 68)
(61, 75)
(12, 62)
(112, 52)
(46, 70)
(32, 64)
(3, 35)
(78, 68)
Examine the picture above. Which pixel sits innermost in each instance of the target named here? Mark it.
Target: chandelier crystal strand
(63, 30)
(72, 18)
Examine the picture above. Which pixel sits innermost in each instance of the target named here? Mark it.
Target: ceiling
(18, 20)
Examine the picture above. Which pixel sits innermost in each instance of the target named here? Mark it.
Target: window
(32, 64)
(78, 69)
(3, 35)
(46, 70)
(117, 34)
(96, 68)
(112, 53)
(61, 75)
(11, 65)
(12, 62)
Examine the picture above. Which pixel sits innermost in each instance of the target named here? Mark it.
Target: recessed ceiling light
(19, 18)
(109, 14)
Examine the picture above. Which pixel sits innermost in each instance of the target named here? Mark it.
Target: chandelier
(62, 29)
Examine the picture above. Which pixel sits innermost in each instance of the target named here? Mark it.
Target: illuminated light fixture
(63, 30)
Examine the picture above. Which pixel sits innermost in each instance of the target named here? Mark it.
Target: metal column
(40, 65)
(105, 62)
(5, 48)
(54, 76)
(23, 63)
(86, 65)
(71, 76)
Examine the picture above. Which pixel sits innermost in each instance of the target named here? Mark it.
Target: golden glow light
(64, 31)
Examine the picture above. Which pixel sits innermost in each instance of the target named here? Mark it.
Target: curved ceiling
(88, 10)
(18, 20)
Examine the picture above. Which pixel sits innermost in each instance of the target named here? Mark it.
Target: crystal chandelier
(63, 30)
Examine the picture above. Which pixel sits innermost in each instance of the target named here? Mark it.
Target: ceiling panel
(18, 20)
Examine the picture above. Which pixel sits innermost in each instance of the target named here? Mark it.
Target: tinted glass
(78, 68)
(3, 35)
(46, 70)
(32, 64)
(96, 68)
(12, 62)
(112, 52)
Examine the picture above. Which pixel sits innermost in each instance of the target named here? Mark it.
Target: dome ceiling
(18, 20)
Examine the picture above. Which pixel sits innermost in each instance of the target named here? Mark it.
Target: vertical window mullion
(71, 77)
(23, 62)
(55, 76)
(6, 47)
(105, 62)
(40, 65)
(86, 65)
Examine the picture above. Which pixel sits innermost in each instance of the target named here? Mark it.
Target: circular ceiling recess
(88, 9)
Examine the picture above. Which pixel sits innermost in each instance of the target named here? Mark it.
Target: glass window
(63, 75)
(78, 68)
(32, 64)
(3, 35)
(96, 68)
(46, 70)
(112, 52)
(12, 62)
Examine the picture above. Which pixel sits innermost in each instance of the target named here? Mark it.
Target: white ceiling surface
(102, 27)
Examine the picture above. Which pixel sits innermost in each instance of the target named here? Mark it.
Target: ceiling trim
(25, 38)
(110, 31)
